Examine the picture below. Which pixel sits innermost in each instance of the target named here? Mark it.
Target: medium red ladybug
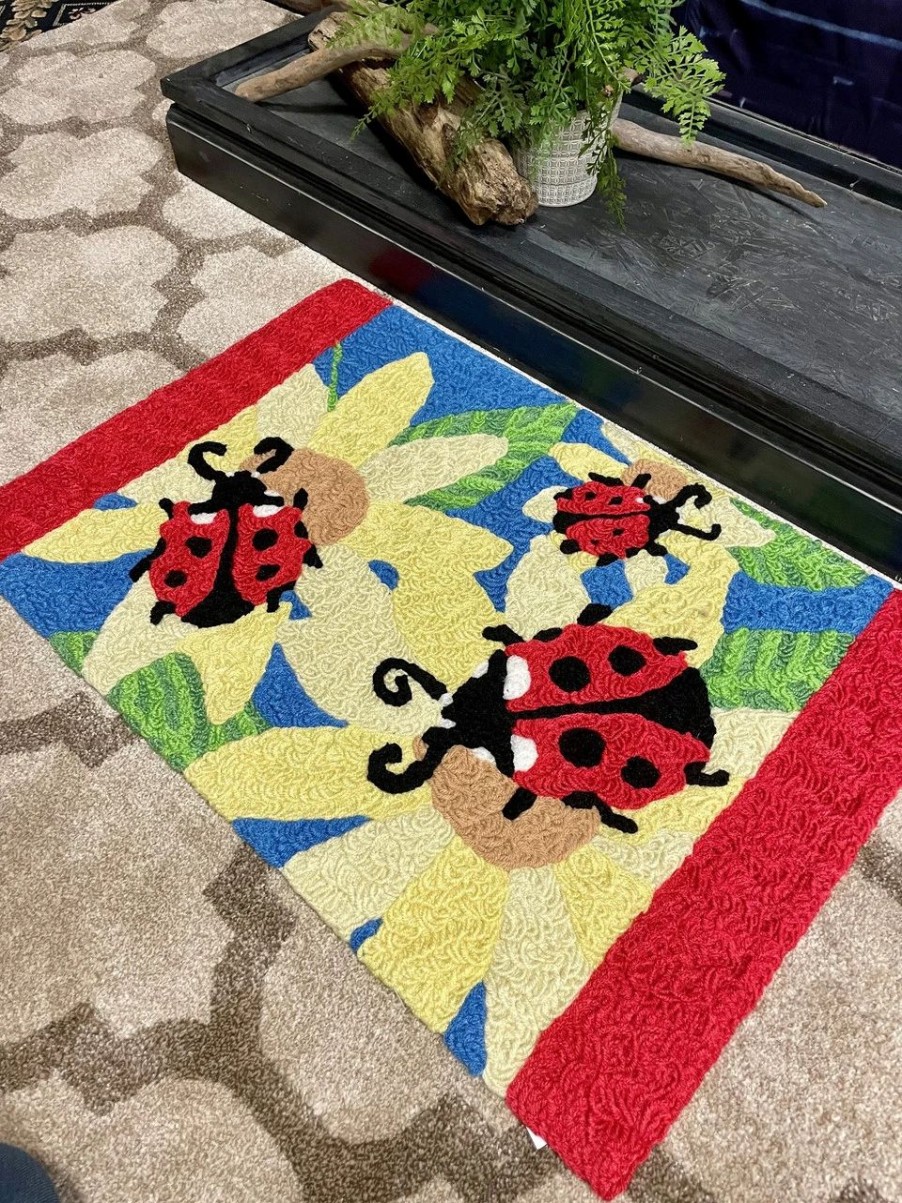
(217, 560)
(597, 716)
(614, 521)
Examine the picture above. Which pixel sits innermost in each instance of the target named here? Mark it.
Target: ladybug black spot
(616, 500)
(570, 673)
(263, 540)
(618, 530)
(582, 747)
(626, 661)
(175, 578)
(198, 546)
(640, 773)
(590, 496)
(267, 572)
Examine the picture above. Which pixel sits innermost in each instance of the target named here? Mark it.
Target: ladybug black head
(244, 487)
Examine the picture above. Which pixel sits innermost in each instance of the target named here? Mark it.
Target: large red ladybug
(217, 560)
(612, 520)
(597, 716)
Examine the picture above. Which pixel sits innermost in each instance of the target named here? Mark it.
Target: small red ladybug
(217, 560)
(597, 716)
(612, 520)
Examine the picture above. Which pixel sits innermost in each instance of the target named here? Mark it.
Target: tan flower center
(337, 496)
(470, 793)
(666, 479)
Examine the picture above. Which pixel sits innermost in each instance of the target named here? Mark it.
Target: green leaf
(332, 395)
(73, 646)
(792, 558)
(529, 430)
(164, 703)
(771, 670)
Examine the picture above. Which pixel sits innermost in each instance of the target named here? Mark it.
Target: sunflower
(396, 579)
(486, 927)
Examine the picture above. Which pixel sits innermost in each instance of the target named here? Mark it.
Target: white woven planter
(559, 173)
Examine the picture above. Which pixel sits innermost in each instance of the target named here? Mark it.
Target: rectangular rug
(569, 744)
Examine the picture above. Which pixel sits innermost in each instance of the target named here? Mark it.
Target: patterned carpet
(174, 1023)
(21, 19)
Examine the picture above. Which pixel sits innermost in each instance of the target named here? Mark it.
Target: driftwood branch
(667, 149)
(316, 65)
(485, 184)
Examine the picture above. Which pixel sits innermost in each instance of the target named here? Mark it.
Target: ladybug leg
(502, 634)
(641, 480)
(706, 535)
(137, 570)
(569, 547)
(301, 498)
(312, 558)
(655, 549)
(166, 506)
(518, 803)
(159, 610)
(272, 598)
(696, 775)
(608, 557)
(594, 613)
(549, 634)
(584, 800)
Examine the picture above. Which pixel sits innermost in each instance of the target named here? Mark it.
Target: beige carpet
(186, 1030)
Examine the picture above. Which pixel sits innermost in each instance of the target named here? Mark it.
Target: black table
(757, 338)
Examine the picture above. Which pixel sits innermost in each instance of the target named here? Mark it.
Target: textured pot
(558, 171)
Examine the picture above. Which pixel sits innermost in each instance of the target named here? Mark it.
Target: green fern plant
(538, 64)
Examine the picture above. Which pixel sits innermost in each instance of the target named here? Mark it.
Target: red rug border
(144, 435)
(607, 1079)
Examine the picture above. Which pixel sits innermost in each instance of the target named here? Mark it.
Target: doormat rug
(569, 745)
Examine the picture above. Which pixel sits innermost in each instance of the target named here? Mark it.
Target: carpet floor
(168, 1006)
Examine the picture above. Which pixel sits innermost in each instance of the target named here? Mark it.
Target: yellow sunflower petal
(231, 659)
(653, 858)
(357, 877)
(293, 408)
(744, 738)
(128, 640)
(439, 607)
(299, 773)
(543, 506)
(579, 459)
(436, 942)
(177, 481)
(694, 605)
(95, 535)
(692, 810)
(536, 971)
(644, 572)
(602, 899)
(411, 469)
(351, 630)
(369, 415)
(543, 590)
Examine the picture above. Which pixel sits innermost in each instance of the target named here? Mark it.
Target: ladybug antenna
(396, 691)
(278, 451)
(412, 777)
(197, 460)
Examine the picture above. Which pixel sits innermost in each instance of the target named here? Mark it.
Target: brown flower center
(337, 497)
(470, 793)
